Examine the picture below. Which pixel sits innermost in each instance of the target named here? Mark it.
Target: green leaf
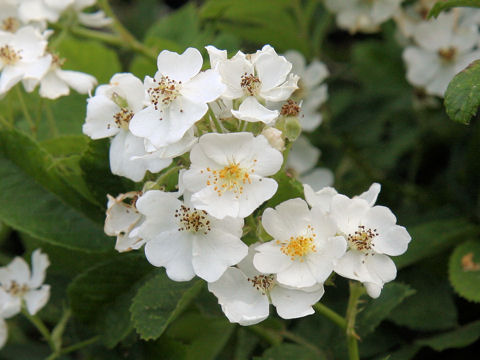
(458, 338)
(405, 353)
(462, 97)
(159, 302)
(433, 237)
(90, 57)
(464, 270)
(448, 4)
(377, 310)
(35, 198)
(267, 22)
(100, 181)
(290, 352)
(94, 291)
(202, 337)
(433, 296)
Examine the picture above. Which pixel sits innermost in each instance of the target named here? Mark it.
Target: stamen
(9, 55)
(448, 54)
(263, 283)
(290, 108)
(123, 117)
(361, 240)
(192, 220)
(10, 24)
(250, 84)
(299, 246)
(232, 177)
(16, 289)
(165, 92)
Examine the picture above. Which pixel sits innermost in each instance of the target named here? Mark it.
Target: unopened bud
(274, 137)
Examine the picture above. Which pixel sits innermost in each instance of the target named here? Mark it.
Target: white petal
(180, 67)
(381, 267)
(371, 194)
(297, 275)
(52, 87)
(272, 70)
(422, 65)
(172, 250)
(373, 289)
(240, 301)
(100, 122)
(216, 55)
(10, 76)
(394, 242)
(80, 82)
(40, 264)
(269, 259)
(255, 194)
(37, 299)
(352, 266)
(322, 198)
(205, 87)
(303, 155)
(318, 178)
(282, 92)
(9, 305)
(231, 72)
(3, 333)
(19, 270)
(251, 110)
(315, 73)
(292, 303)
(215, 252)
(97, 19)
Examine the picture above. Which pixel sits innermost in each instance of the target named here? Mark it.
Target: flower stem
(331, 315)
(271, 336)
(23, 105)
(217, 124)
(125, 36)
(80, 345)
(356, 290)
(42, 329)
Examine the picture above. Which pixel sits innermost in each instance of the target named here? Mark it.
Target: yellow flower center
(9, 55)
(17, 289)
(232, 177)
(299, 246)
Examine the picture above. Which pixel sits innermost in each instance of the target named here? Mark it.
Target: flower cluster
(20, 288)
(435, 49)
(25, 53)
(235, 120)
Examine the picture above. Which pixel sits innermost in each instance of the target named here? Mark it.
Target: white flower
(245, 294)
(178, 96)
(109, 113)
(227, 176)
(188, 241)
(445, 48)
(57, 82)
(123, 220)
(3, 330)
(372, 236)
(311, 92)
(264, 76)
(18, 284)
(22, 57)
(302, 161)
(304, 248)
(361, 15)
(9, 20)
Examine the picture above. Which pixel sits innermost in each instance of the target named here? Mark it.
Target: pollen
(299, 246)
(361, 239)
(16, 289)
(164, 92)
(250, 84)
(263, 283)
(9, 55)
(193, 220)
(232, 177)
(57, 61)
(123, 117)
(10, 24)
(447, 54)
(290, 108)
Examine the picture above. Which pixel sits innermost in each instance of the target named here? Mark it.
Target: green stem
(124, 34)
(356, 290)
(331, 315)
(285, 155)
(271, 336)
(80, 345)
(300, 341)
(42, 329)
(218, 126)
(25, 111)
(50, 118)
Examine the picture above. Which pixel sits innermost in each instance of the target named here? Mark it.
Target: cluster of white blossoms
(438, 49)
(237, 120)
(362, 15)
(25, 55)
(20, 288)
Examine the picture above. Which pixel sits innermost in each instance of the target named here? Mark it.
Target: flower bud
(274, 137)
